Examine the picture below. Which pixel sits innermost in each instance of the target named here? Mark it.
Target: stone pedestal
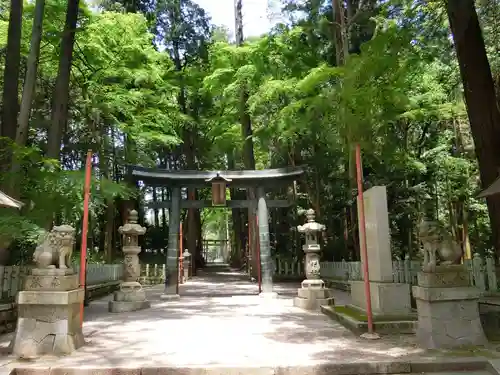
(387, 297)
(131, 295)
(48, 316)
(313, 295)
(48, 321)
(448, 311)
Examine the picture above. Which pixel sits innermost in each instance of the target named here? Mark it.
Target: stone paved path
(220, 321)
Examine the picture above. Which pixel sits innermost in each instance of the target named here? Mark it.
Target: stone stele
(448, 312)
(48, 320)
(131, 295)
(387, 297)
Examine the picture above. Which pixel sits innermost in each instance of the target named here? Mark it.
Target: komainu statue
(438, 246)
(56, 248)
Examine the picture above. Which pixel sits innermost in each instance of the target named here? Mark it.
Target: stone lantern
(187, 264)
(131, 295)
(313, 293)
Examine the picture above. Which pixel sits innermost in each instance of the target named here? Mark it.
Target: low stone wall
(8, 311)
(101, 290)
(338, 284)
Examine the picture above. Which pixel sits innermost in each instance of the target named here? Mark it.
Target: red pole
(259, 276)
(85, 225)
(181, 264)
(362, 233)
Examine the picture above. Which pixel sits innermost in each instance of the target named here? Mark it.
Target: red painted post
(85, 225)
(362, 233)
(181, 259)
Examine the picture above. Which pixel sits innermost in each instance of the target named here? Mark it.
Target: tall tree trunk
(479, 93)
(30, 79)
(339, 32)
(10, 103)
(246, 132)
(28, 91)
(61, 90)
(340, 38)
(237, 247)
(109, 216)
(11, 78)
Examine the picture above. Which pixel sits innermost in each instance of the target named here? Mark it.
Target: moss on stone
(360, 316)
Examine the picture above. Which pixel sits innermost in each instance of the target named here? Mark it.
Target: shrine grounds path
(221, 323)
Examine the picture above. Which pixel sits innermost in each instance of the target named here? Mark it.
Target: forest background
(155, 83)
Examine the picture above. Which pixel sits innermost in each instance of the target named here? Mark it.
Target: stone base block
(312, 304)
(444, 276)
(356, 321)
(126, 306)
(314, 293)
(52, 271)
(51, 282)
(313, 298)
(130, 297)
(313, 283)
(170, 297)
(448, 317)
(48, 323)
(386, 298)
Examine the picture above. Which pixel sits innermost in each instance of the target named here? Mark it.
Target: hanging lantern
(219, 185)
(219, 193)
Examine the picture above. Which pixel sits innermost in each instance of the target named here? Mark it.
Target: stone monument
(387, 298)
(447, 306)
(131, 296)
(49, 305)
(313, 293)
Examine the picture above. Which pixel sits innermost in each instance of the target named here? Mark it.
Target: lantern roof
(311, 226)
(132, 227)
(244, 178)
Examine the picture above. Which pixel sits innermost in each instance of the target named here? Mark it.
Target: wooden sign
(219, 193)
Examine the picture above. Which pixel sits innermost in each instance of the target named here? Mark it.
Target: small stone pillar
(131, 295)
(447, 306)
(313, 293)
(187, 264)
(48, 320)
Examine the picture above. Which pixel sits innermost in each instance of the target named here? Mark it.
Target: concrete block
(125, 306)
(387, 298)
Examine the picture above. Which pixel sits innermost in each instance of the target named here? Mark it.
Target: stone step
(192, 371)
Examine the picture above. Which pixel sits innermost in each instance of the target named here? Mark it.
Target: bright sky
(255, 20)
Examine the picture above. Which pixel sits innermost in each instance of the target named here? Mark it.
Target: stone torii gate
(175, 180)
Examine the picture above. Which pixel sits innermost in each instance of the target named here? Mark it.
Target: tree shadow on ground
(217, 323)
